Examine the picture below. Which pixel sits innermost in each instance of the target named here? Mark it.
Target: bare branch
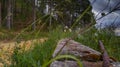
(106, 62)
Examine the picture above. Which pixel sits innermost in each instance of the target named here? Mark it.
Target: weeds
(111, 42)
(41, 53)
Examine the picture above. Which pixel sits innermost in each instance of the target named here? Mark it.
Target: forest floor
(7, 49)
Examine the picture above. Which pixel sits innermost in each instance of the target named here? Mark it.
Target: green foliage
(110, 41)
(68, 16)
(63, 56)
(57, 13)
(6, 35)
(41, 53)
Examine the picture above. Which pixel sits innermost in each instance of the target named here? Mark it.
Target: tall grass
(111, 42)
(41, 53)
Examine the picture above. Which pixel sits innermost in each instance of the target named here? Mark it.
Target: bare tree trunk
(34, 15)
(9, 15)
(15, 10)
(0, 15)
(50, 11)
(12, 7)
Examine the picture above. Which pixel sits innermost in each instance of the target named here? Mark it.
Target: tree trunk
(9, 15)
(0, 15)
(34, 15)
(12, 10)
(50, 11)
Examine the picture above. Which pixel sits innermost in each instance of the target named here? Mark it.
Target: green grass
(6, 35)
(110, 41)
(41, 53)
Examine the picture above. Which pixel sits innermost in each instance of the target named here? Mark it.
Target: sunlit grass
(41, 53)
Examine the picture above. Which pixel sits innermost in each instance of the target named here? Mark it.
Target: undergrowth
(110, 41)
(41, 53)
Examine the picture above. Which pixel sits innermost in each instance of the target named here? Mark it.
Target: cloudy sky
(106, 6)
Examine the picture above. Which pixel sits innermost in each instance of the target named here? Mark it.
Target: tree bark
(12, 10)
(9, 15)
(0, 15)
(34, 15)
